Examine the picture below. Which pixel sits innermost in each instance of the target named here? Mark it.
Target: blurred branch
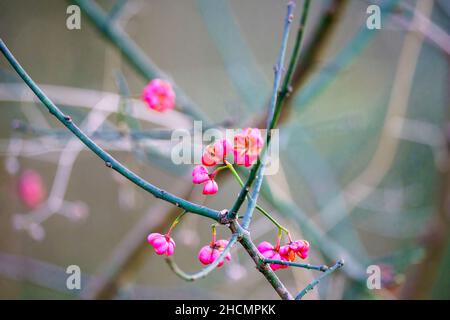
(117, 9)
(331, 249)
(109, 160)
(362, 186)
(323, 77)
(130, 253)
(422, 276)
(86, 98)
(134, 54)
(239, 232)
(26, 271)
(276, 103)
(106, 134)
(239, 61)
(311, 286)
(32, 221)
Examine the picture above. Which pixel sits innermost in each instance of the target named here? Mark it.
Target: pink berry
(269, 252)
(159, 95)
(210, 253)
(163, 244)
(200, 174)
(210, 187)
(31, 189)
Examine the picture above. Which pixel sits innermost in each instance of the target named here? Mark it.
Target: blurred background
(363, 146)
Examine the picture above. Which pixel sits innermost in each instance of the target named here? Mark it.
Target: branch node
(291, 18)
(323, 268)
(223, 217)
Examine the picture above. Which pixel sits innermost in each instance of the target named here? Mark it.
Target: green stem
(295, 56)
(102, 154)
(214, 234)
(215, 172)
(175, 222)
(258, 207)
(315, 282)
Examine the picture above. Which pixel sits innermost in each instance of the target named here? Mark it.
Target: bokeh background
(364, 148)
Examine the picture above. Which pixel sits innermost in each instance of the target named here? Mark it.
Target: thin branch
(311, 286)
(313, 51)
(275, 104)
(308, 266)
(293, 64)
(109, 160)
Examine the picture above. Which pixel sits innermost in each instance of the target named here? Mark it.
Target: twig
(277, 100)
(314, 50)
(86, 98)
(105, 134)
(262, 267)
(311, 286)
(308, 266)
(382, 159)
(332, 250)
(109, 160)
(275, 104)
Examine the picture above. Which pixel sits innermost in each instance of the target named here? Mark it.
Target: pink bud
(31, 189)
(163, 244)
(210, 187)
(200, 174)
(159, 95)
(210, 253)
